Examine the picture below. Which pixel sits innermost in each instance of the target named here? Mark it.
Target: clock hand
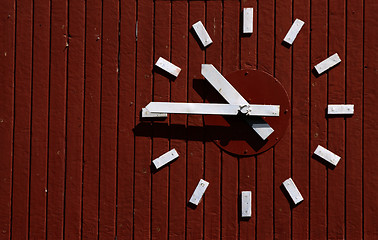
(232, 96)
(213, 109)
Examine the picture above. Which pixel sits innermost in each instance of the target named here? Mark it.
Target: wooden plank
(353, 135)
(40, 111)
(212, 207)
(195, 148)
(370, 151)
(264, 168)
(90, 199)
(143, 90)
(160, 183)
(7, 48)
(231, 62)
(22, 115)
(75, 105)
(126, 120)
(247, 166)
(301, 120)
(318, 125)
(109, 119)
(57, 120)
(177, 180)
(282, 153)
(336, 126)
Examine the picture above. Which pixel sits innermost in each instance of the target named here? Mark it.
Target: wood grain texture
(76, 156)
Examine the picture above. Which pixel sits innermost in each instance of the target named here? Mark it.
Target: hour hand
(211, 109)
(232, 96)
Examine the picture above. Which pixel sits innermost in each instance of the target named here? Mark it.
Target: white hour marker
(247, 20)
(327, 63)
(327, 155)
(293, 191)
(246, 203)
(202, 34)
(293, 31)
(334, 109)
(165, 158)
(198, 192)
(168, 66)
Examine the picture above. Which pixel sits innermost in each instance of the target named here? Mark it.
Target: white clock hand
(213, 109)
(232, 96)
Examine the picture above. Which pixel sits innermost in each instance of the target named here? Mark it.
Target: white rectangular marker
(293, 191)
(202, 34)
(293, 31)
(168, 66)
(148, 114)
(328, 63)
(229, 93)
(327, 155)
(247, 20)
(165, 158)
(198, 192)
(334, 109)
(246, 203)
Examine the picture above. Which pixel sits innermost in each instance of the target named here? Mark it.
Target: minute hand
(232, 96)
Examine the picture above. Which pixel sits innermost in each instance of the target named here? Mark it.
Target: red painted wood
(231, 62)
(75, 106)
(7, 46)
(143, 89)
(57, 120)
(247, 166)
(178, 130)
(70, 121)
(354, 136)
(126, 120)
(264, 162)
(40, 111)
(318, 125)
(370, 177)
(282, 153)
(301, 120)
(22, 115)
(195, 148)
(109, 119)
(92, 115)
(161, 93)
(336, 126)
(212, 157)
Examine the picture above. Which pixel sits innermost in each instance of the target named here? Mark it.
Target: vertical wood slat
(353, 136)
(336, 126)
(247, 166)
(126, 117)
(40, 103)
(370, 178)
(195, 161)
(92, 119)
(318, 126)
(282, 153)
(143, 89)
(22, 116)
(212, 156)
(75, 106)
(229, 175)
(178, 126)
(300, 98)
(7, 60)
(161, 93)
(264, 171)
(109, 119)
(57, 120)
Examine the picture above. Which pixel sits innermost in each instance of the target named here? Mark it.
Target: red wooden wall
(75, 157)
